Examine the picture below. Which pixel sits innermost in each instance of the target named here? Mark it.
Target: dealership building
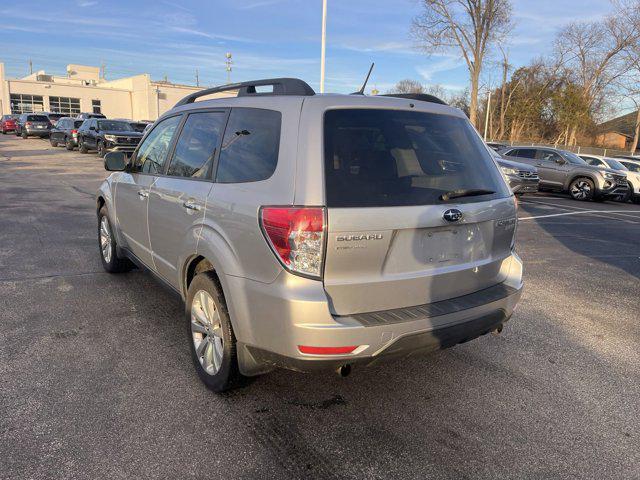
(83, 89)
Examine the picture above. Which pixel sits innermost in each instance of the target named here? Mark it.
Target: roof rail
(422, 97)
(281, 86)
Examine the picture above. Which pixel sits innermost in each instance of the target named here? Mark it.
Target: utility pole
(103, 68)
(486, 121)
(228, 62)
(30, 67)
(197, 78)
(324, 44)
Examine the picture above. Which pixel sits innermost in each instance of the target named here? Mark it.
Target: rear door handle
(191, 205)
(143, 193)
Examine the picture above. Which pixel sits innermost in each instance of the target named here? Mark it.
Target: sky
(267, 38)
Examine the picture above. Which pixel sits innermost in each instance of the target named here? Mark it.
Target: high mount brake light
(296, 235)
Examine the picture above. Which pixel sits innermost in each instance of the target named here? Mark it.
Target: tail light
(326, 350)
(296, 236)
(27, 124)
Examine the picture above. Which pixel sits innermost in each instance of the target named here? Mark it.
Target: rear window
(250, 146)
(37, 118)
(379, 158)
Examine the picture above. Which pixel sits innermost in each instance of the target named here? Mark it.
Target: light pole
(228, 62)
(324, 43)
(486, 120)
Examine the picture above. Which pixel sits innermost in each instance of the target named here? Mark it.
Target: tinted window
(152, 153)
(548, 156)
(37, 118)
(573, 158)
(114, 126)
(78, 123)
(249, 150)
(197, 144)
(524, 153)
(392, 157)
(632, 166)
(616, 165)
(593, 161)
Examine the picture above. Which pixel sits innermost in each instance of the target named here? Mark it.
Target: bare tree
(594, 52)
(407, 86)
(469, 28)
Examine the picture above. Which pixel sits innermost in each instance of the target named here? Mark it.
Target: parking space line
(626, 213)
(581, 212)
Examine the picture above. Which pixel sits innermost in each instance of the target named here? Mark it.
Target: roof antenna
(361, 91)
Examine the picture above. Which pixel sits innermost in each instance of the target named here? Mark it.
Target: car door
(133, 185)
(57, 132)
(554, 166)
(92, 134)
(177, 200)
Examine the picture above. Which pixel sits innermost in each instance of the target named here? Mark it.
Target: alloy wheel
(206, 332)
(581, 190)
(105, 239)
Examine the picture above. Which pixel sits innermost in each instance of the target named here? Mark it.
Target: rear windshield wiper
(470, 192)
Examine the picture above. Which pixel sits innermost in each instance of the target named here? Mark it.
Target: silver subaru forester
(315, 231)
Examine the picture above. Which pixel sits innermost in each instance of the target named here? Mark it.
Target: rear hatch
(393, 241)
(38, 122)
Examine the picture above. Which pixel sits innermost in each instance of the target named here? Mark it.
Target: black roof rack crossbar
(422, 97)
(281, 86)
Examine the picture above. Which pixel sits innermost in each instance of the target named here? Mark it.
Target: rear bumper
(272, 320)
(37, 132)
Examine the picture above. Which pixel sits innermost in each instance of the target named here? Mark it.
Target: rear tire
(111, 262)
(53, 142)
(101, 151)
(67, 144)
(582, 189)
(210, 334)
(81, 147)
(24, 135)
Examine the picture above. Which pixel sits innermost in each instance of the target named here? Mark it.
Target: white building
(83, 90)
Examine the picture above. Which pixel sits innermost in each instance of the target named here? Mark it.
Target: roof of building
(624, 125)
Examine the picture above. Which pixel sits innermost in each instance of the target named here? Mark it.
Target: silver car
(314, 231)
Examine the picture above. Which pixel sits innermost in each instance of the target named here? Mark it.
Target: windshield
(616, 165)
(138, 127)
(114, 126)
(573, 158)
(394, 157)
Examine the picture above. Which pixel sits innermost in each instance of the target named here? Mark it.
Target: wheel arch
(576, 176)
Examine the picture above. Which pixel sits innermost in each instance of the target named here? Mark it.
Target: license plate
(39, 126)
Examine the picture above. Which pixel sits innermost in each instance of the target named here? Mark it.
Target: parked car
(633, 177)
(54, 117)
(107, 135)
(140, 126)
(315, 231)
(522, 178)
(497, 145)
(565, 171)
(8, 123)
(84, 116)
(33, 125)
(65, 133)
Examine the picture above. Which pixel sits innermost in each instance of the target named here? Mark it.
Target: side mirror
(560, 161)
(115, 162)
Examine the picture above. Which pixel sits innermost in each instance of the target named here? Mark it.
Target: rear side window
(78, 123)
(524, 153)
(250, 145)
(392, 157)
(197, 145)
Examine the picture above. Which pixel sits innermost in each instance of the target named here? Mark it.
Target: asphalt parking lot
(96, 379)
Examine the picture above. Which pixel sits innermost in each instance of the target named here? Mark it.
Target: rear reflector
(296, 235)
(326, 350)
